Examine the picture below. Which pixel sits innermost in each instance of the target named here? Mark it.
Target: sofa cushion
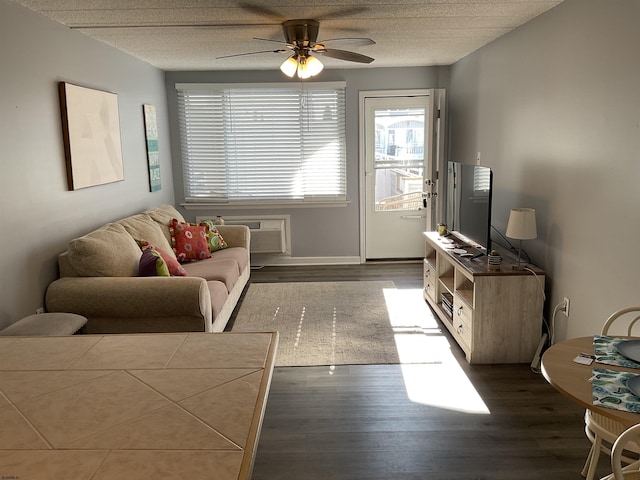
(152, 264)
(239, 254)
(225, 271)
(189, 241)
(219, 295)
(143, 228)
(106, 252)
(174, 267)
(163, 215)
(215, 239)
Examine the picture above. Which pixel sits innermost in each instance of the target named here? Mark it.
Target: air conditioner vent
(268, 234)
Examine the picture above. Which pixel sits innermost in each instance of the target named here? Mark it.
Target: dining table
(573, 379)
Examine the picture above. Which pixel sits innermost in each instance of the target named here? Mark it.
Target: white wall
(554, 108)
(38, 212)
(315, 232)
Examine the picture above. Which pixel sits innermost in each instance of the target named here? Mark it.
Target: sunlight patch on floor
(432, 375)
(444, 386)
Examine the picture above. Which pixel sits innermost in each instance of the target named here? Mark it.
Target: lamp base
(519, 266)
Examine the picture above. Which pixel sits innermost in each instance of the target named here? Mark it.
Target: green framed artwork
(153, 155)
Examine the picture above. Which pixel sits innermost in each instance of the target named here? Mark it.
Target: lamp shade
(304, 64)
(303, 70)
(522, 224)
(314, 65)
(289, 66)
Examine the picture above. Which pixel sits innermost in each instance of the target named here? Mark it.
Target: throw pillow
(175, 269)
(215, 240)
(189, 241)
(152, 264)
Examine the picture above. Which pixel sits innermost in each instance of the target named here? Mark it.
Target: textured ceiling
(191, 34)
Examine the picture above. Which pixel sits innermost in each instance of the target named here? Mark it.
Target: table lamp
(521, 226)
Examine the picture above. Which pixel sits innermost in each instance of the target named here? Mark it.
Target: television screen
(469, 202)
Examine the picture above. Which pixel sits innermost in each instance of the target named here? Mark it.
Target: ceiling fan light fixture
(289, 66)
(314, 65)
(308, 66)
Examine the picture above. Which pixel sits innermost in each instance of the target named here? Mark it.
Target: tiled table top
(147, 406)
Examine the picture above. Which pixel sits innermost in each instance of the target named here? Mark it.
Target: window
(263, 143)
(481, 182)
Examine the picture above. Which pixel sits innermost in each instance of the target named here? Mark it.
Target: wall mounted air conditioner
(268, 234)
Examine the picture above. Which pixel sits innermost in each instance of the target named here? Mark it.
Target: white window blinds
(263, 143)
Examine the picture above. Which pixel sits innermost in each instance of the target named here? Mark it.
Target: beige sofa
(99, 279)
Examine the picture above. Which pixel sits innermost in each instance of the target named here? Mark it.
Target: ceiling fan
(300, 40)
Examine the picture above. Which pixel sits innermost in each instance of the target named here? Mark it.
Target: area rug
(342, 323)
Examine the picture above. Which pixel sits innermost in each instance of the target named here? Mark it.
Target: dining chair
(601, 430)
(631, 472)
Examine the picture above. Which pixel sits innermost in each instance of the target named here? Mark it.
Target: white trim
(203, 87)
(267, 260)
(362, 95)
(263, 205)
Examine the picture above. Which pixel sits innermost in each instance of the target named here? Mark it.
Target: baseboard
(270, 260)
(535, 363)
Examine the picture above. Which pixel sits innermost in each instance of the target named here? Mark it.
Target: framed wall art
(153, 155)
(91, 131)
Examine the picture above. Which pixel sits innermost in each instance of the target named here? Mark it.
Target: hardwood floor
(398, 422)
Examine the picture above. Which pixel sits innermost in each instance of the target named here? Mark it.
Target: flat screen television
(469, 203)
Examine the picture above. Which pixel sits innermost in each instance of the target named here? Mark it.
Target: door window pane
(399, 158)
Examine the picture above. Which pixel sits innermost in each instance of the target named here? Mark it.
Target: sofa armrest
(131, 297)
(235, 235)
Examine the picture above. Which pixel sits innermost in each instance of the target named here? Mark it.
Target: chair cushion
(46, 324)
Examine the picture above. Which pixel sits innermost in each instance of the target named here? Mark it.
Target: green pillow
(214, 238)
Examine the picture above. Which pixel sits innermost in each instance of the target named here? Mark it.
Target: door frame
(438, 114)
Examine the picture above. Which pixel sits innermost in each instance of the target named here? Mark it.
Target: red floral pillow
(175, 269)
(189, 241)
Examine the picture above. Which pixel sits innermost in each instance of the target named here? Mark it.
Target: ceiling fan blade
(355, 42)
(281, 42)
(345, 55)
(337, 13)
(204, 25)
(344, 12)
(259, 10)
(254, 53)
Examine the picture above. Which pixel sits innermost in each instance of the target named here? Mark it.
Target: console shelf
(497, 314)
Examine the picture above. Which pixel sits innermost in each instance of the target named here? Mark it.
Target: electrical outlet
(40, 310)
(478, 159)
(565, 307)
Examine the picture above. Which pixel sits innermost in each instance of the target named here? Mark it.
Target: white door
(402, 151)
